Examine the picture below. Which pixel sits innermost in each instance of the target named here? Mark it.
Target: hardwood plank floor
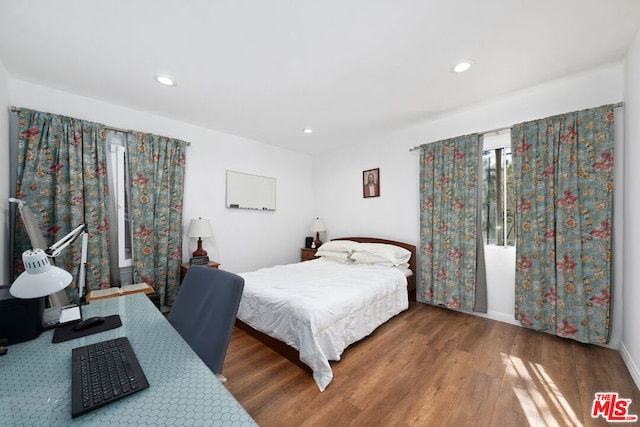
(433, 366)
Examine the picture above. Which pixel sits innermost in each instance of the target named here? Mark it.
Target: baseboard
(500, 317)
(490, 314)
(631, 366)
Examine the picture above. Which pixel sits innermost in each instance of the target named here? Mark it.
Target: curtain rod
(115, 129)
(132, 131)
(618, 105)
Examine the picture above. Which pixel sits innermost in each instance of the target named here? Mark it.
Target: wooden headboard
(411, 286)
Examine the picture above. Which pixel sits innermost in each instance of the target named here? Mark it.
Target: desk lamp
(37, 261)
(23, 318)
(40, 278)
(317, 225)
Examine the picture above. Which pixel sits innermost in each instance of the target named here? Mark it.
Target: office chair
(204, 313)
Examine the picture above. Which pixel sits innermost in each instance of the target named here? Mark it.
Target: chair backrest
(205, 310)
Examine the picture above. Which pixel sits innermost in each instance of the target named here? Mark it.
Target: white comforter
(320, 307)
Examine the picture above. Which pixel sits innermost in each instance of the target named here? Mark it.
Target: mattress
(320, 307)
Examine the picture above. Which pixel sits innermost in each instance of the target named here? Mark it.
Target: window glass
(498, 208)
(120, 183)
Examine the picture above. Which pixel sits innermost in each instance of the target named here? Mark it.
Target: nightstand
(185, 266)
(307, 254)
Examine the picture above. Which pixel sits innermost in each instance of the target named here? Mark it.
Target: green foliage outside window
(498, 209)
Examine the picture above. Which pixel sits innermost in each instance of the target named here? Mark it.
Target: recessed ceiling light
(165, 80)
(462, 67)
(307, 131)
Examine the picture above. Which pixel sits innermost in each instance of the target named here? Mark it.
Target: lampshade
(199, 228)
(40, 278)
(318, 225)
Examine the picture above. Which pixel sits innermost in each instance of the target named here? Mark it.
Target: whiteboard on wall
(246, 191)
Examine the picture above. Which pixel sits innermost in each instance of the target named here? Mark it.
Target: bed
(310, 312)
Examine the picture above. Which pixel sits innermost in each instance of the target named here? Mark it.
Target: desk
(35, 376)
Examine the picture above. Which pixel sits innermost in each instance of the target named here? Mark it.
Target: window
(119, 181)
(498, 210)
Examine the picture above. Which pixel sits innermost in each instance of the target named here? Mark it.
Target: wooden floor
(432, 366)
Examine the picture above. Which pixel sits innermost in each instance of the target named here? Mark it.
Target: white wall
(5, 270)
(395, 214)
(630, 347)
(243, 240)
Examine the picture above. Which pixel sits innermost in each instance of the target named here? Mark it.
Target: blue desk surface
(35, 377)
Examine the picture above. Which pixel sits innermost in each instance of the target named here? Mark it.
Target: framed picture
(371, 183)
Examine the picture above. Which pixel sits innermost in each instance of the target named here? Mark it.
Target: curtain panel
(448, 219)
(563, 178)
(61, 175)
(156, 167)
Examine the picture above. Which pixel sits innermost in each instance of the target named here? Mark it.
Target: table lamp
(317, 225)
(199, 228)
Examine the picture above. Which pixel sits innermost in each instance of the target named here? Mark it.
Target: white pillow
(362, 258)
(339, 246)
(365, 258)
(381, 252)
(333, 255)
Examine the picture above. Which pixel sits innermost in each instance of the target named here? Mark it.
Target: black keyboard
(102, 373)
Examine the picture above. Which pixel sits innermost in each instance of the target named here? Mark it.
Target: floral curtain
(448, 222)
(61, 175)
(563, 177)
(156, 167)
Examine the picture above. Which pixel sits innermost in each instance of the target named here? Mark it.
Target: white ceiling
(266, 69)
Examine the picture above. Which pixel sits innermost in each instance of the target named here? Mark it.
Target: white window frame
(118, 153)
(496, 141)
